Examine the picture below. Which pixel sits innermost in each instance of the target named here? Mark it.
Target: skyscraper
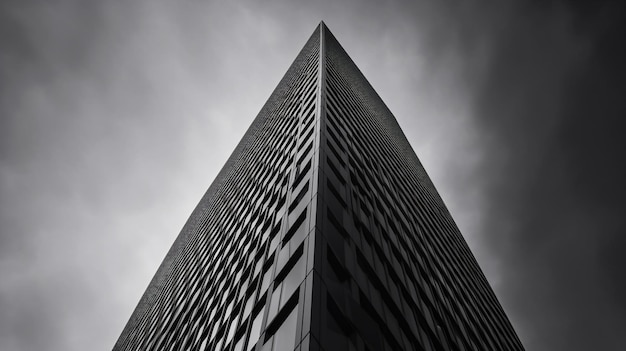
(321, 232)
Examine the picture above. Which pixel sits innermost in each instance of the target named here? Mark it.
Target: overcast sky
(115, 117)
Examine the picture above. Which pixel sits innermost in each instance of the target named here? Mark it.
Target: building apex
(322, 25)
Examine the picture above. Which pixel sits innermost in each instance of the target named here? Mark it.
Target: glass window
(242, 289)
(274, 304)
(296, 200)
(203, 345)
(255, 330)
(267, 278)
(337, 335)
(259, 264)
(283, 257)
(229, 309)
(293, 280)
(296, 226)
(231, 331)
(239, 345)
(274, 243)
(248, 308)
(218, 345)
(285, 336)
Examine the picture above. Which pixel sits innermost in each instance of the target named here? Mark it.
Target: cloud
(548, 112)
(116, 116)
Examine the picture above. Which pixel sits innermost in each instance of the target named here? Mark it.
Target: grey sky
(115, 117)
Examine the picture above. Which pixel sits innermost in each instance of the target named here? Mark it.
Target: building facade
(321, 232)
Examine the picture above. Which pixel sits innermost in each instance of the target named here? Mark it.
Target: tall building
(321, 232)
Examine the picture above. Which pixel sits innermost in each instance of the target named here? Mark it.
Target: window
(338, 329)
(287, 283)
(296, 201)
(255, 329)
(239, 345)
(295, 227)
(248, 307)
(301, 173)
(231, 330)
(285, 337)
(267, 276)
(282, 330)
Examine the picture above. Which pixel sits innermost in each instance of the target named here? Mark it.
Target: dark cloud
(550, 108)
(115, 116)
